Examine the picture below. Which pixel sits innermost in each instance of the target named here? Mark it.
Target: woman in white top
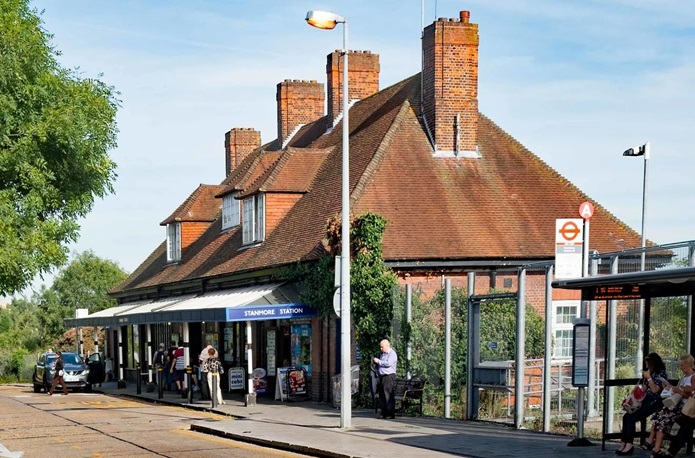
(668, 415)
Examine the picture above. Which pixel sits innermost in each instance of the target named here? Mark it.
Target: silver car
(79, 374)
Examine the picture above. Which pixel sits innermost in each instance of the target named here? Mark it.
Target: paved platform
(314, 429)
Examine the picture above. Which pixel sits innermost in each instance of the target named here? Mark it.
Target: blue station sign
(270, 312)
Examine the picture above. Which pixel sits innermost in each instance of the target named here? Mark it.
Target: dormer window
(230, 211)
(254, 219)
(173, 242)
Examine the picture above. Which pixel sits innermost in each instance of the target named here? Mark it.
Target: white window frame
(173, 242)
(231, 211)
(562, 331)
(253, 222)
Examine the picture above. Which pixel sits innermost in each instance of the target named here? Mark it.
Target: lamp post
(326, 20)
(643, 150)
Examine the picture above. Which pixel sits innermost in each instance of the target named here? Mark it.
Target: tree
(84, 283)
(56, 128)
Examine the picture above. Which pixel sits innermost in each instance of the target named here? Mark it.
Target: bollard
(213, 390)
(189, 386)
(160, 382)
(138, 379)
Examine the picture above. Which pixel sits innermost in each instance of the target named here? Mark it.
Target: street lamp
(326, 20)
(635, 151)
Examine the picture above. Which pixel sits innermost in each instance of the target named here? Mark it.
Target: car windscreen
(72, 358)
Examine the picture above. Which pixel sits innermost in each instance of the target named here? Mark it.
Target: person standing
(205, 393)
(178, 368)
(59, 368)
(213, 365)
(386, 366)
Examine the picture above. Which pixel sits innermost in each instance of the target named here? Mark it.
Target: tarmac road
(97, 425)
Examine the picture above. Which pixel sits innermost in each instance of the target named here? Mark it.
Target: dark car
(79, 374)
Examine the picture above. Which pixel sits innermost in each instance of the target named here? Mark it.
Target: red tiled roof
(500, 206)
(200, 206)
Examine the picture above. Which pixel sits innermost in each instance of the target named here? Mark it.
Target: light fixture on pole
(643, 150)
(327, 20)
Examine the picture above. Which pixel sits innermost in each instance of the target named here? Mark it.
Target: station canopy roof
(634, 285)
(273, 300)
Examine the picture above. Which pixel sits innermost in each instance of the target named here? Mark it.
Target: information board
(580, 352)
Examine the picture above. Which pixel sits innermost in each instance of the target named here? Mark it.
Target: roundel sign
(569, 231)
(586, 210)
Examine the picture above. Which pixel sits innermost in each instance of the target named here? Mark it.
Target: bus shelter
(647, 286)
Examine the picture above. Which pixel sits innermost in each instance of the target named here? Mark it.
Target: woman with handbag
(651, 378)
(673, 405)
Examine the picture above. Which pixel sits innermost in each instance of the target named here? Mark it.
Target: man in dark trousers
(386, 365)
(59, 368)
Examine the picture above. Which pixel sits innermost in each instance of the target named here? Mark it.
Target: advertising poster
(281, 384)
(296, 381)
(260, 381)
(301, 346)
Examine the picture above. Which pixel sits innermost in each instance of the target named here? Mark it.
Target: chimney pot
(465, 16)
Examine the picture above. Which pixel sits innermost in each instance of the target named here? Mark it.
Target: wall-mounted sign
(270, 312)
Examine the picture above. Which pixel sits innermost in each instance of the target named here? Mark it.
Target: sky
(576, 82)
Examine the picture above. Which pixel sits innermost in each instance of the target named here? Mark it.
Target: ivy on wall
(372, 283)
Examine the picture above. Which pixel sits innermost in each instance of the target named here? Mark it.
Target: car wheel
(88, 388)
(37, 388)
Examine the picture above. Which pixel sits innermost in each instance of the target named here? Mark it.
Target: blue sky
(577, 82)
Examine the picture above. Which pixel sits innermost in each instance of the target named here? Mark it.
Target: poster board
(237, 376)
(280, 384)
(296, 381)
(580, 353)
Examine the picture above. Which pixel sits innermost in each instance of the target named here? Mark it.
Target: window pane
(259, 234)
(248, 222)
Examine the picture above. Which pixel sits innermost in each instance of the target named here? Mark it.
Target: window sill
(250, 245)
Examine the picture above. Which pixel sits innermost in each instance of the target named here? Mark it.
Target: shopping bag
(689, 407)
(634, 400)
(672, 401)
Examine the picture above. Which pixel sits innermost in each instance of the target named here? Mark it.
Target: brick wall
(363, 78)
(191, 231)
(450, 82)
(298, 102)
(276, 207)
(238, 143)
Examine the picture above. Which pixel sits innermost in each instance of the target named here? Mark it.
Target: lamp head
(323, 19)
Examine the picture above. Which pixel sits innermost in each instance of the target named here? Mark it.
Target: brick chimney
(238, 143)
(299, 102)
(450, 83)
(363, 78)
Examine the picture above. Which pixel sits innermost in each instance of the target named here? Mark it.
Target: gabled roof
(200, 206)
(500, 206)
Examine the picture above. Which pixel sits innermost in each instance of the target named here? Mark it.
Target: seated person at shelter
(654, 372)
(667, 416)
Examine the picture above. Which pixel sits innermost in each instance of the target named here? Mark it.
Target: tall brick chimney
(363, 78)
(238, 143)
(299, 102)
(450, 83)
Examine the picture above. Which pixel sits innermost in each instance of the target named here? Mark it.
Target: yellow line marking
(232, 443)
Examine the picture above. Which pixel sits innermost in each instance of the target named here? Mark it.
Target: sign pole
(586, 211)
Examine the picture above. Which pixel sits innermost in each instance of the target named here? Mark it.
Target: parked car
(79, 374)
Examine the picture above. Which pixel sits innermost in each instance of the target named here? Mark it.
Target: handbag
(689, 407)
(633, 401)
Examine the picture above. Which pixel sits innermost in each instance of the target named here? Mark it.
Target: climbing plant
(372, 283)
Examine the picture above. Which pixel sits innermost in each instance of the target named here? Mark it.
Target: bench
(409, 393)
